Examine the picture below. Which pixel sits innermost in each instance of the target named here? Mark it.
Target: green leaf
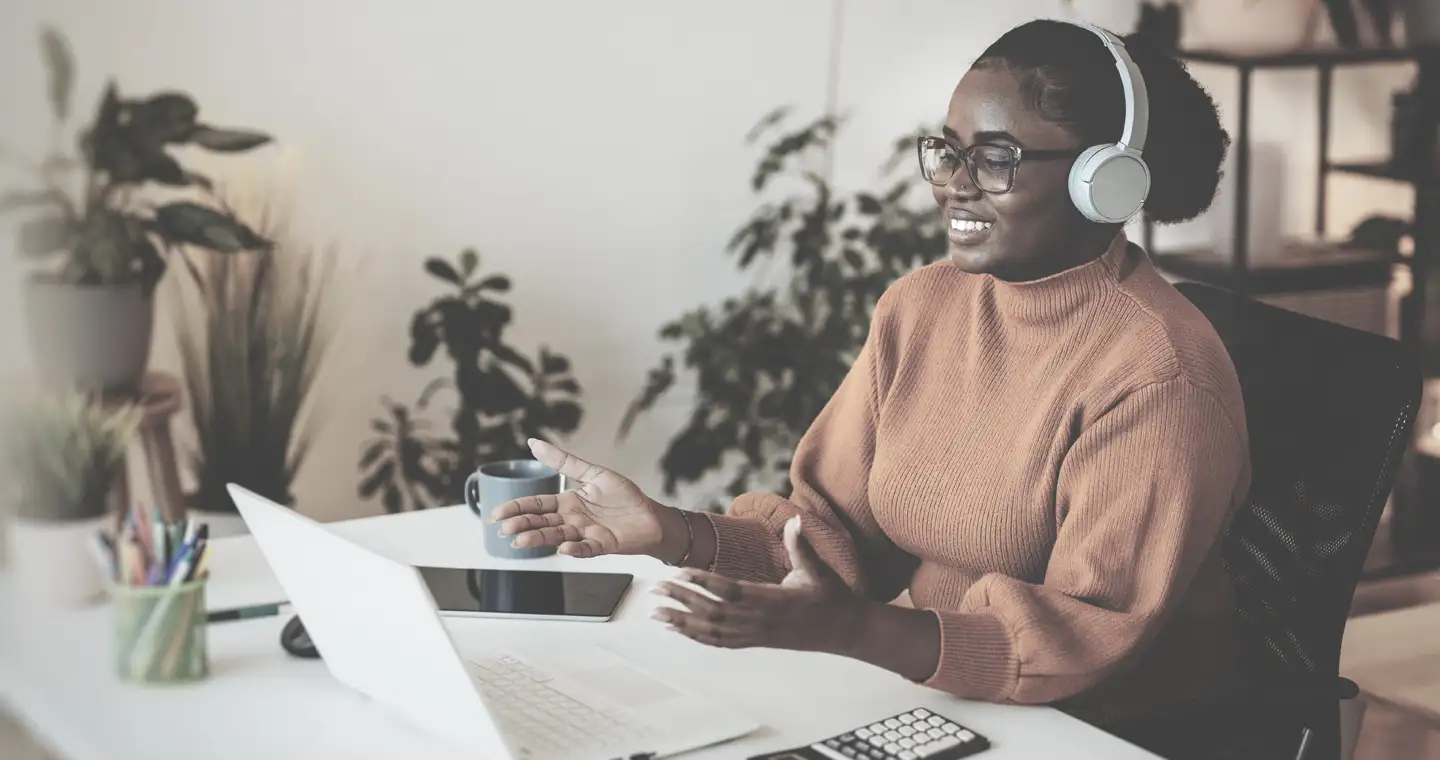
(60, 65)
(867, 204)
(469, 260)
(565, 416)
(373, 452)
(497, 282)
(46, 235)
(160, 167)
(184, 222)
(424, 338)
(442, 269)
(510, 356)
(227, 140)
(767, 121)
(165, 118)
(553, 364)
(381, 476)
(568, 385)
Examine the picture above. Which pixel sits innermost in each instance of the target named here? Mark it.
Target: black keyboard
(914, 735)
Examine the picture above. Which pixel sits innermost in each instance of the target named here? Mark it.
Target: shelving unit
(1331, 266)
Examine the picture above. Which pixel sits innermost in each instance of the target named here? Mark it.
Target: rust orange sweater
(1047, 466)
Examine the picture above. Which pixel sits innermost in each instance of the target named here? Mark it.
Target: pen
(243, 613)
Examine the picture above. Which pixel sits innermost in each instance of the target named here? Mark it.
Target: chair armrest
(1295, 697)
(1300, 692)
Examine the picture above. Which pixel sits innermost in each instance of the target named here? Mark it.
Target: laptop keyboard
(543, 718)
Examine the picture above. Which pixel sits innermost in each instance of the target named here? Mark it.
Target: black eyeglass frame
(966, 156)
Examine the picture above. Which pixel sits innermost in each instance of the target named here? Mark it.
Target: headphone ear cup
(1081, 176)
(1109, 184)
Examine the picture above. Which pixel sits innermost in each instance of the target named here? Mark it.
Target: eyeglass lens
(991, 167)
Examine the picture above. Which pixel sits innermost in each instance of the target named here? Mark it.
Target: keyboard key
(892, 723)
(908, 755)
(934, 733)
(877, 728)
(950, 728)
(906, 743)
(907, 718)
(877, 741)
(893, 749)
(906, 731)
(965, 736)
(921, 713)
(936, 720)
(892, 736)
(862, 733)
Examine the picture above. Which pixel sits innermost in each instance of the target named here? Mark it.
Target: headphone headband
(1137, 101)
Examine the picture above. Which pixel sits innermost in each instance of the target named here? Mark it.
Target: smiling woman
(1041, 440)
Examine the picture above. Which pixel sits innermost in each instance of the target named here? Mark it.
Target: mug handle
(472, 493)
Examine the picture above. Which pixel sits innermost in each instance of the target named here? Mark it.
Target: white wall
(415, 129)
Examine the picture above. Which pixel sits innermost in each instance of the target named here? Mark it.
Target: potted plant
(253, 331)
(102, 220)
(503, 396)
(63, 452)
(765, 362)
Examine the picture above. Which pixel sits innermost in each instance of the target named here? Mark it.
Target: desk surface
(55, 674)
(1394, 657)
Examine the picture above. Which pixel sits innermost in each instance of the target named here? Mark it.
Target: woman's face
(1033, 230)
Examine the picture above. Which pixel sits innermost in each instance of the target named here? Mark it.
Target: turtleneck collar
(1058, 294)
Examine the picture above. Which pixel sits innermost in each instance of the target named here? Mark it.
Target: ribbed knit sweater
(1047, 466)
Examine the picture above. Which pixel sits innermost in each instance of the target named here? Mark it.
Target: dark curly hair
(1069, 79)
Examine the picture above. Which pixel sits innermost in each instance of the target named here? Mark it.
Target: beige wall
(412, 129)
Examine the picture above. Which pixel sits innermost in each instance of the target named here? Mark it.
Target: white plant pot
(222, 524)
(92, 336)
(1266, 219)
(1248, 26)
(54, 563)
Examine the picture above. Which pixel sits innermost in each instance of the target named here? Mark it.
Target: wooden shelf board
(1299, 267)
(1302, 58)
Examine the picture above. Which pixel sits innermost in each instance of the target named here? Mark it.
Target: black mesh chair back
(1330, 411)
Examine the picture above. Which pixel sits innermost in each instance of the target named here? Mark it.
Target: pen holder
(160, 633)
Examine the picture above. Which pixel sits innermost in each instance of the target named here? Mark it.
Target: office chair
(1330, 411)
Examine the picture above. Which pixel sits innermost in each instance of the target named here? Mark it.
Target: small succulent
(64, 452)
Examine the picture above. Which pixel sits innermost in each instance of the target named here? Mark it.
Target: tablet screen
(529, 593)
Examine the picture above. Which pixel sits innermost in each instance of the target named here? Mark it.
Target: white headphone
(1109, 182)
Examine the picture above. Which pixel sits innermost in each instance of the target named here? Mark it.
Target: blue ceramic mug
(498, 482)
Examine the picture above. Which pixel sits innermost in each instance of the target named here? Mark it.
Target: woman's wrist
(676, 535)
(899, 639)
(687, 539)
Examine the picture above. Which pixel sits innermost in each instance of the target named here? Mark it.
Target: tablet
(528, 594)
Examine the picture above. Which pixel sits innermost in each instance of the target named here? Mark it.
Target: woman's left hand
(812, 609)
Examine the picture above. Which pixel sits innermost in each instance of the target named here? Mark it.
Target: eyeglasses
(991, 167)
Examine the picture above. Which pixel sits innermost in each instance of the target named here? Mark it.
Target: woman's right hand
(607, 514)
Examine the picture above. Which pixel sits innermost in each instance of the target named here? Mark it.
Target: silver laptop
(379, 632)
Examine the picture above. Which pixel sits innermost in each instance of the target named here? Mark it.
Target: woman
(1041, 440)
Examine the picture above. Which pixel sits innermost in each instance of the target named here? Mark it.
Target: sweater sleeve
(1142, 496)
(830, 479)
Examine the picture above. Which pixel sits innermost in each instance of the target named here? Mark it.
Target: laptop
(379, 632)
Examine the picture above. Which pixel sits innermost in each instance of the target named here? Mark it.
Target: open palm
(606, 514)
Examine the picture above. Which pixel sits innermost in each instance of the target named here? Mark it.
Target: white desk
(260, 703)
